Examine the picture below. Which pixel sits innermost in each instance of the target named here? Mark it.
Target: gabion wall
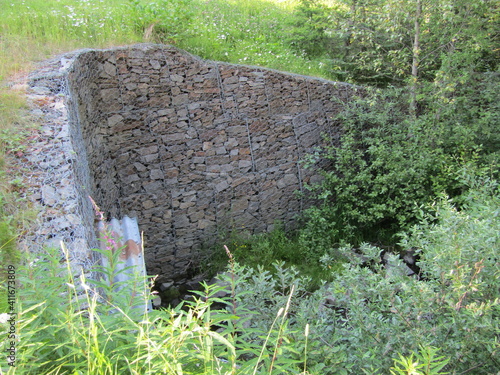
(194, 149)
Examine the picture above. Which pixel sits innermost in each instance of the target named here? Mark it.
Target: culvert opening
(193, 148)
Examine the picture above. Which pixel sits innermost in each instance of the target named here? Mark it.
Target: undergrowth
(368, 319)
(264, 250)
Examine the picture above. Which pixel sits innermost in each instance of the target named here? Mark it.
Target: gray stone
(40, 90)
(287, 180)
(221, 186)
(115, 119)
(110, 69)
(49, 195)
(155, 64)
(156, 174)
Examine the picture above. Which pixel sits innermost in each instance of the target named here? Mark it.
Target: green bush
(461, 248)
(385, 164)
(369, 319)
(389, 162)
(371, 315)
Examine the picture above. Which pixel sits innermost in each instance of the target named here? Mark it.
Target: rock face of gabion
(194, 149)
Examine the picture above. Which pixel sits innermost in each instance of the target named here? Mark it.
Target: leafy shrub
(309, 28)
(389, 162)
(469, 265)
(385, 164)
(426, 362)
(371, 315)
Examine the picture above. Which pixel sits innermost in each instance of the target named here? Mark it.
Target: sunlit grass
(248, 32)
(243, 31)
(84, 22)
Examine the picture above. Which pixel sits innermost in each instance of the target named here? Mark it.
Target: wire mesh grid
(48, 172)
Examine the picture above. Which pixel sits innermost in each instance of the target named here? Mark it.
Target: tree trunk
(416, 59)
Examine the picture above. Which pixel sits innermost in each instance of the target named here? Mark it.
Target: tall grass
(67, 325)
(363, 321)
(87, 23)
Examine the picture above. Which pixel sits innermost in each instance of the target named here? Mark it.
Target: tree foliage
(435, 109)
(372, 41)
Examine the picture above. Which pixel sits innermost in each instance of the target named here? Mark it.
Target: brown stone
(191, 146)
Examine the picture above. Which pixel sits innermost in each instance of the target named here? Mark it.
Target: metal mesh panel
(53, 167)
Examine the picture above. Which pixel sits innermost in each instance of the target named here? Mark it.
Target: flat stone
(156, 174)
(148, 204)
(49, 195)
(288, 180)
(73, 219)
(221, 186)
(155, 64)
(115, 119)
(244, 163)
(110, 69)
(40, 90)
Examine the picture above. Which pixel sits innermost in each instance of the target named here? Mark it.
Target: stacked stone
(196, 148)
(48, 167)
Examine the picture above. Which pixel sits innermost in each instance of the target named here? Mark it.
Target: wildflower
(4, 318)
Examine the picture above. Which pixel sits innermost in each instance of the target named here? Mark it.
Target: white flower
(4, 318)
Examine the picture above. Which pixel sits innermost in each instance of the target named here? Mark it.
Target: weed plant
(69, 324)
(262, 251)
(369, 319)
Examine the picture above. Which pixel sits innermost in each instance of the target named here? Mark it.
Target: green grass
(265, 249)
(12, 126)
(245, 32)
(86, 23)
(248, 32)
